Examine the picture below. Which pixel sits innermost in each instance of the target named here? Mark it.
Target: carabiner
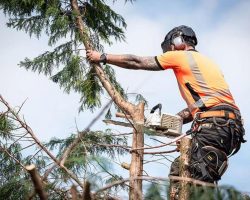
(197, 117)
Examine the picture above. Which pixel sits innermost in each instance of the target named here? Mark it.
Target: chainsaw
(163, 124)
(156, 123)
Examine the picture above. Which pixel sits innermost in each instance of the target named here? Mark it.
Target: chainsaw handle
(158, 106)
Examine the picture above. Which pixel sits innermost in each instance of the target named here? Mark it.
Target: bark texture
(184, 172)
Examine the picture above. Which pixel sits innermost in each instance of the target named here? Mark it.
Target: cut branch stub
(37, 182)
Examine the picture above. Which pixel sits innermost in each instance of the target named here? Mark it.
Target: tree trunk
(184, 172)
(136, 112)
(136, 167)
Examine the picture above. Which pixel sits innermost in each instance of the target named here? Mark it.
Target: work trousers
(223, 134)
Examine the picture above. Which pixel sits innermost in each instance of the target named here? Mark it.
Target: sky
(222, 28)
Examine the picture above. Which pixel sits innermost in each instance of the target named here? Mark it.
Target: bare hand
(93, 56)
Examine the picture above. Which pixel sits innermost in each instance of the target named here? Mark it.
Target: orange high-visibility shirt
(200, 81)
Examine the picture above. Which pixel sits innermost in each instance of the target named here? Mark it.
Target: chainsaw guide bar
(152, 130)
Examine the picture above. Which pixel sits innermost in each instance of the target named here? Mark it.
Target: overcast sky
(222, 28)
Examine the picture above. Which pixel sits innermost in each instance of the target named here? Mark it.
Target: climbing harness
(222, 128)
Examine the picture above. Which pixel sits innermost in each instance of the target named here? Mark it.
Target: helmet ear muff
(178, 42)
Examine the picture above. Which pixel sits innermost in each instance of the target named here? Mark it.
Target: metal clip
(197, 117)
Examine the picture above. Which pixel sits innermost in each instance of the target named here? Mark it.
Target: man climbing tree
(217, 130)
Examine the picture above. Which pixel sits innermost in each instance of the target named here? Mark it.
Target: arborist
(217, 128)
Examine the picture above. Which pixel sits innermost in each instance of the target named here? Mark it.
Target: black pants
(220, 134)
(216, 136)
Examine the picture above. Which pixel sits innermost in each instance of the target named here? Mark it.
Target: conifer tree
(72, 26)
(65, 64)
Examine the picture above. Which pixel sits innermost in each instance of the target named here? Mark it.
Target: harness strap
(203, 165)
(217, 113)
(237, 139)
(212, 162)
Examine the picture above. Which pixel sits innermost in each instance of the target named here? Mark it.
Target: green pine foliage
(153, 192)
(92, 158)
(6, 127)
(45, 62)
(220, 193)
(16, 188)
(113, 179)
(64, 64)
(160, 191)
(14, 183)
(93, 143)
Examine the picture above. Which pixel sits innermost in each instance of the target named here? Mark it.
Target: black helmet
(185, 32)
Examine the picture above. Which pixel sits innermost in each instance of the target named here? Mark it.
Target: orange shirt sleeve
(170, 60)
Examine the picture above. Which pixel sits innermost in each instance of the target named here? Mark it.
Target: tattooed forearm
(185, 115)
(129, 61)
(151, 64)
